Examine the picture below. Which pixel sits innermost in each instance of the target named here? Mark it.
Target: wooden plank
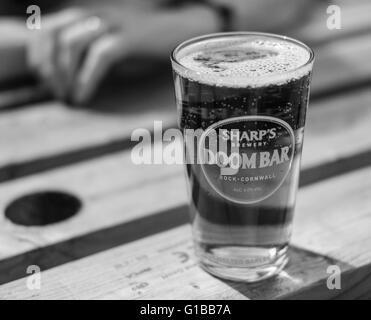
(51, 127)
(331, 227)
(342, 64)
(50, 130)
(112, 187)
(337, 128)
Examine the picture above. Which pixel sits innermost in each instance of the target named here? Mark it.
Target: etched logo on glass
(246, 159)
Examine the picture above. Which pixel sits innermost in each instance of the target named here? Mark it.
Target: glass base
(243, 264)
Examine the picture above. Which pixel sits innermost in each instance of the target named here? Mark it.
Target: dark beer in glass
(245, 96)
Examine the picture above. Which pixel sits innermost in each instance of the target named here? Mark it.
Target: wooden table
(131, 239)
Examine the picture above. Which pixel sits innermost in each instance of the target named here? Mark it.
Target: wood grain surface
(115, 192)
(131, 239)
(162, 266)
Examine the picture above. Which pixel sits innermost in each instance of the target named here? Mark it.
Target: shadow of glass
(304, 277)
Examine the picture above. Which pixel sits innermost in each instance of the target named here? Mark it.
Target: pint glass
(242, 100)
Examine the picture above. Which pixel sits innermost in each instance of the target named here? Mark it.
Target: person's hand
(65, 51)
(76, 48)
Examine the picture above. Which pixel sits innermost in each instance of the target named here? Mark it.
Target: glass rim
(194, 40)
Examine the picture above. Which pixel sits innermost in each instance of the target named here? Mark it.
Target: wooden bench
(131, 239)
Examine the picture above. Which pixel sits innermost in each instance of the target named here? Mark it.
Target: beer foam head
(242, 60)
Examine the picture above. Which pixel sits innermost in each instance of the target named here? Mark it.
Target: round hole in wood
(42, 208)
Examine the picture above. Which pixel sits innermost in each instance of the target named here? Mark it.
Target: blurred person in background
(81, 42)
